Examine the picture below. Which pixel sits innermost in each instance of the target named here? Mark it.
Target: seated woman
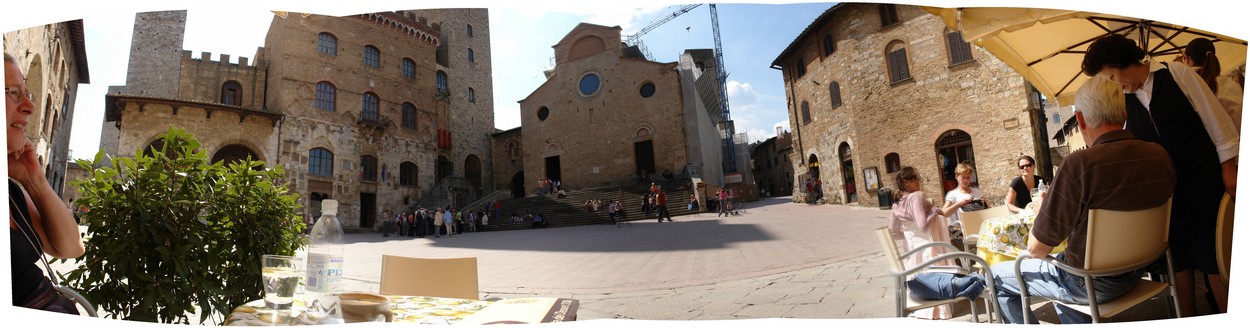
(961, 196)
(917, 222)
(539, 222)
(560, 193)
(1020, 193)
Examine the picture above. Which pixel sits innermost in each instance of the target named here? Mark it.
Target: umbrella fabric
(1046, 46)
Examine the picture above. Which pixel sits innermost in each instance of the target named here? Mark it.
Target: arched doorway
(518, 184)
(234, 153)
(954, 147)
(442, 168)
(811, 184)
(473, 171)
(848, 172)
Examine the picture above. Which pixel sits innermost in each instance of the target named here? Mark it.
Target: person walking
(661, 203)
(721, 196)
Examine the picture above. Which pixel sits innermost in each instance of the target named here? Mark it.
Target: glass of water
(281, 276)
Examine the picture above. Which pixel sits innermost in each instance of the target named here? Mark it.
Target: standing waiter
(1170, 105)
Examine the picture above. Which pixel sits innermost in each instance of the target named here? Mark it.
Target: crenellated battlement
(223, 59)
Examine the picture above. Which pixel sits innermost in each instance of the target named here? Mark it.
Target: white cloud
(785, 125)
(757, 135)
(741, 94)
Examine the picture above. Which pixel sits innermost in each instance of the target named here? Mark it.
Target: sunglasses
(1025, 166)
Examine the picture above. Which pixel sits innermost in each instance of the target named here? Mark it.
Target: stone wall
(203, 79)
(154, 68)
(595, 135)
(472, 116)
(983, 98)
(508, 162)
(49, 57)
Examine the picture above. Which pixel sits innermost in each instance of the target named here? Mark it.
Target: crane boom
(722, 76)
(633, 39)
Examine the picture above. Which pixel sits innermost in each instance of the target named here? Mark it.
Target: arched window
(889, 14)
(896, 61)
(828, 44)
(372, 56)
(369, 106)
(468, 30)
(320, 162)
(470, 55)
(440, 81)
(800, 67)
(231, 93)
(327, 44)
(325, 96)
(471, 96)
(835, 94)
(407, 174)
(409, 116)
(409, 68)
(807, 113)
(368, 168)
(958, 50)
(952, 148)
(892, 163)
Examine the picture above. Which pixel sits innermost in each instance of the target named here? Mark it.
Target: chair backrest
(1120, 239)
(891, 249)
(970, 222)
(454, 277)
(1224, 235)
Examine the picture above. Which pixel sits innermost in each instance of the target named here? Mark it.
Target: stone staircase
(571, 210)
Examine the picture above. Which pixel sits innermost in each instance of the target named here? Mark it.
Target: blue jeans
(1047, 280)
(945, 286)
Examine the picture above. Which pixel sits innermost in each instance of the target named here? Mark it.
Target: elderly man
(1117, 172)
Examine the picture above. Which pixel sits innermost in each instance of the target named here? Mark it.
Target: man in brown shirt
(1117, 172)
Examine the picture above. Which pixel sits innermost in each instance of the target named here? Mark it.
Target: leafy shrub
(171, 232)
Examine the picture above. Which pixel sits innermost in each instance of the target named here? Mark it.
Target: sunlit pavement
(777, 259)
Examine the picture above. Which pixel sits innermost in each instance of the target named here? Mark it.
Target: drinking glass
(281, 276)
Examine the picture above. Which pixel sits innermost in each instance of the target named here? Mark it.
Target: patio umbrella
(1046, 45)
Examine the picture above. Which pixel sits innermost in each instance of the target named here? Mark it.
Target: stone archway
(954, 147)
(848, 173)
(473, 171)
(234, 153)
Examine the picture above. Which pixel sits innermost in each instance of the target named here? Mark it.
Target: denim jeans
(945, 286)
(1047, 280)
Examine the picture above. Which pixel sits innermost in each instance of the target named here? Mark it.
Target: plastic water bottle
(325, 265)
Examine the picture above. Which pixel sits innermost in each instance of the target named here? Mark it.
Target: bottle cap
(330, 206)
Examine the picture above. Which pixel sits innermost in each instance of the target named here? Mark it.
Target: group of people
(812, 189)
(1156, 131)
(655, 201)
(440, 222)
(727, 202)
(546, 186)
(536, 221)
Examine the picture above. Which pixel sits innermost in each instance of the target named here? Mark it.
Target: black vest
(1173, 123)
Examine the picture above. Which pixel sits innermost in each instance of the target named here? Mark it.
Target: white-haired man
(1116, 172)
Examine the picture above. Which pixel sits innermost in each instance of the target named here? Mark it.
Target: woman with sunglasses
(1020, 195)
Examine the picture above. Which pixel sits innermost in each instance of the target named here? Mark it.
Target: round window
(589, 84)
(542, 113)
(647, 90)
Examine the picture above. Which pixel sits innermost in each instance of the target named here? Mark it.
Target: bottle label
(324, 272)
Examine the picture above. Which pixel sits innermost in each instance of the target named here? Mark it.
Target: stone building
(509, 163)
(873, 87)
(605, 113)
(54, 60)
(362, 109)
(771, 166)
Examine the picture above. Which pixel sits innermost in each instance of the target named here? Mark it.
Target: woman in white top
(960, 196)
(1200, 55)
(917, 222)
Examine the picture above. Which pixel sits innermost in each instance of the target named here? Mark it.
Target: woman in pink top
(917, 222)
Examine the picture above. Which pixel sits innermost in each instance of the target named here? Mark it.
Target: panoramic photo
(689, 163)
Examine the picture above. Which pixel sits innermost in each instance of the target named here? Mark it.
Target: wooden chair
(970, 223)
(1118, 242)
(454, 277)
(1224, 236)
(900, 273)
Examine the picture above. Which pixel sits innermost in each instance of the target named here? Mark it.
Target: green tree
(171, 232)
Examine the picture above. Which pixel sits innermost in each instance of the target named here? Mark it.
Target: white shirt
(955, 196)
(1214, 118)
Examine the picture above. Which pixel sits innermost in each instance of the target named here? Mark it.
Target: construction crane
(722, 74)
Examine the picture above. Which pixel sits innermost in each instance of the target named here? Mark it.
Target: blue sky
(522, 35)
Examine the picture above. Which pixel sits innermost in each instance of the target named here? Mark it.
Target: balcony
(374, 121)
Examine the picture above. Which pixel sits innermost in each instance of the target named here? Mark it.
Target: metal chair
(970, 223)
(454, 277)
(1224, 236)
(900, 273)
(1117, 242)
